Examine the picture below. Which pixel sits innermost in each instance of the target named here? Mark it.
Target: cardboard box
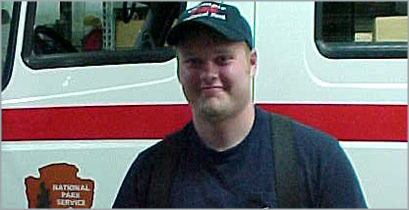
(125, 34)
(391, 29)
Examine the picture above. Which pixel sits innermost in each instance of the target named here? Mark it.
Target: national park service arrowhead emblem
(59, 187)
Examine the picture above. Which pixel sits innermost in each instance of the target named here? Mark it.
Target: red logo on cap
(203, 9)
(207, 9)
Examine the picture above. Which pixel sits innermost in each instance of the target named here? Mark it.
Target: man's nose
(209, 72)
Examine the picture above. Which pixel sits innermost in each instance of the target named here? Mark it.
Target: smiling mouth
(211, 89)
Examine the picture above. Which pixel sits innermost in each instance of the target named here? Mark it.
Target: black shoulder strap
(285, 158)
(162, 171)
(286, 162)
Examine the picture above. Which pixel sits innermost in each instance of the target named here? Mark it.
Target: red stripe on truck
(102, 122)
(346, 122)
(350, 122)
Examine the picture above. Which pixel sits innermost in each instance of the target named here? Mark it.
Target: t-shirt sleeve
(127, 195)
(328, 179)
(339, 186)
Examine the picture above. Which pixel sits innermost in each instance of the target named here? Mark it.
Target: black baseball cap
(222, 18)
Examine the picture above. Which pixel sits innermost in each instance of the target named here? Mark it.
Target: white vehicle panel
(297, 72)
(290, 70)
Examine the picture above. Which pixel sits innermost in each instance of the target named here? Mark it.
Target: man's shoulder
(309, 133)
(306, 134)
(170, 143)
(314, 145)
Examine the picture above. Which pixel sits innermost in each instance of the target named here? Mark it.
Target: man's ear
(253, 62)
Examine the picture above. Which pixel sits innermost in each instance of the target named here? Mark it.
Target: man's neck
(224, 134)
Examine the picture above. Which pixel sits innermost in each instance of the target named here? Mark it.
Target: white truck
(88, 85)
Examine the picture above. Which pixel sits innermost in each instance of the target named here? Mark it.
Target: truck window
(97, 33)
(9, 23)
(362, 29)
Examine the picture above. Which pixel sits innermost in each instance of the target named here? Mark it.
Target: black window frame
(355, 50)
(11, 47)
(81, 59)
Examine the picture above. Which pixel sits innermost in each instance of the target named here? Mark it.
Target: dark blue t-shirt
(243, 176)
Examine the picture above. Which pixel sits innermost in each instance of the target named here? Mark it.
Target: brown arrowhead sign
(59, 187)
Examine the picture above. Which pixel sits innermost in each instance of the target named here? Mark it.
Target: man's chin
(212, 108)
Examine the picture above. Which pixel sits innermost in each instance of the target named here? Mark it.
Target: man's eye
(223, 59)
(192, 61)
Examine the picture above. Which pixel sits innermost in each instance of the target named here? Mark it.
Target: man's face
(215, 74)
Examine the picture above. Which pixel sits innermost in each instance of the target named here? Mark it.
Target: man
(225, 157)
